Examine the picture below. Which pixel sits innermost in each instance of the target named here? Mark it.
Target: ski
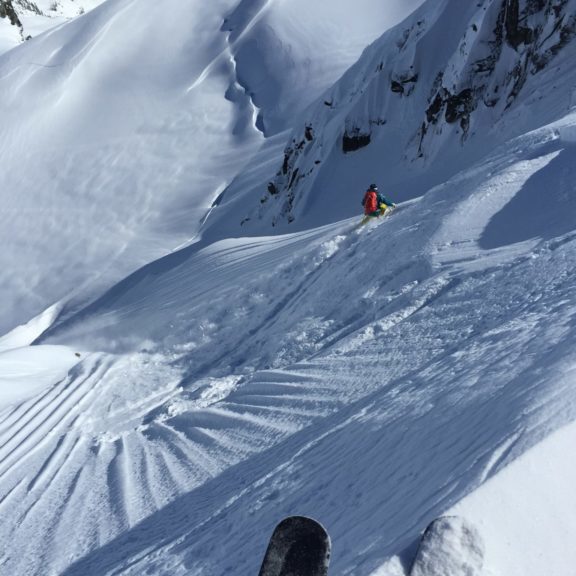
(299, 546)
(366, 219)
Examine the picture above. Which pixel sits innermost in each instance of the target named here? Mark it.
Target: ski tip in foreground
(299, 546)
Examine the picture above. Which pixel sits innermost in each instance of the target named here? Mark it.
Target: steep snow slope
(369, 377)
(294, 50)
(128, 122)
(456, 79)
(97, 146)
(525, 504)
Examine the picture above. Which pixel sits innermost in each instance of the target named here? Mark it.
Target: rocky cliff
(446, 77)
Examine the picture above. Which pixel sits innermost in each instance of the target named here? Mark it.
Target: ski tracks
(128, 440)
(112, 472)
(30, 425)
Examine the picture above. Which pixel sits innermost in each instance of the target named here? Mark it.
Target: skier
(375, 204)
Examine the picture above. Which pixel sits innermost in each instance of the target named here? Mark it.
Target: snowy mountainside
(127, 123)
(456, 78)
(236, 382)
(307, 47)
(372, 377)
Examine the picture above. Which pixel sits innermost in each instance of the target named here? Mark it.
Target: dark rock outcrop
(403, 84)
(535, 29)
(355, 139)
(515, 33)
(7, 11)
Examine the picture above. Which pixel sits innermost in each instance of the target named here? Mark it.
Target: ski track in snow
(171, 456)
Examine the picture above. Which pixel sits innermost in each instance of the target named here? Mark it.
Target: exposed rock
(536, 29)
(355, 139)
(293, 178)
(30, 6)
(272, 190)
(456, 106)
(459, 106)
(7, 11)
(501, 47)
(286, 162)
(433, 111)
(398, 84)
(515, 33)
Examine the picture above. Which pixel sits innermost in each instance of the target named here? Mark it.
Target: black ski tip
(299, 546)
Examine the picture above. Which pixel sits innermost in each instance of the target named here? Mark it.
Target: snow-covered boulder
(451, 546)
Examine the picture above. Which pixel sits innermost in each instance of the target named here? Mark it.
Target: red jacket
(370, 202)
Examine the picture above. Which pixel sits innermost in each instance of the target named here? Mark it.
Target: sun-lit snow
(175, 378)
(126, 124)
(26, 372)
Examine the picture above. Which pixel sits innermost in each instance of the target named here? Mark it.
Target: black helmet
(373, 187)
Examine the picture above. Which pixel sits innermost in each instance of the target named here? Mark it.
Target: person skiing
(375, 204)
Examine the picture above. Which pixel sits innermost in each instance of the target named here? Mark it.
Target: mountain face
(7, 11)
(513, 41)
(450, 77)
(372, 377)
(123, 147)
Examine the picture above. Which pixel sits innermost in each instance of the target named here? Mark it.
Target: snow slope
(108, 144)
(127, 123)
(524, 505)
(228, 385)
(374, 378)
(452, 81)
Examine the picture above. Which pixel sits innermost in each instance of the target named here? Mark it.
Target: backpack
(370, 202)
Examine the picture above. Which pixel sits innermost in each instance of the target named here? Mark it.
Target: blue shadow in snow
(110, 299)
(544, 208)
